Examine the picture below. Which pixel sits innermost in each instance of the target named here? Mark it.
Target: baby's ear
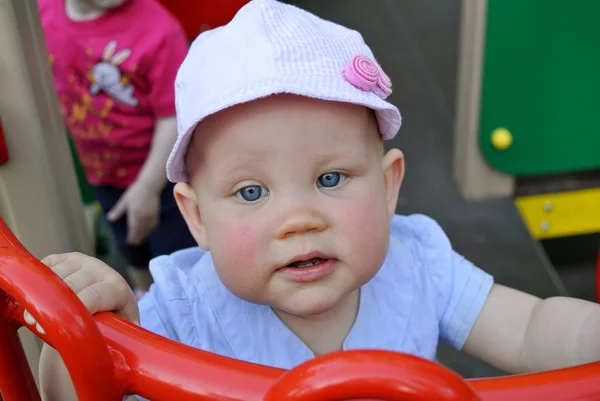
(188, 206)
(393, 170)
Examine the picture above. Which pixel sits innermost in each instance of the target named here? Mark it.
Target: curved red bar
(67, 324)
(161, 369)
(381, 375)
(581, 383)
(3, 148)
(108, 357)
(16, 380)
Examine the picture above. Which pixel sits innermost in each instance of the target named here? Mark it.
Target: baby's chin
(306, 310)
(311, 306)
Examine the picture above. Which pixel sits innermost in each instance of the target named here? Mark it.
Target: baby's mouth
(308, 267)
(307, 263)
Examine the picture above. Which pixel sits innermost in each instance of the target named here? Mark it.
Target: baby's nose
(300, 222)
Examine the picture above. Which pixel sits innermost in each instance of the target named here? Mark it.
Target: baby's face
(294, 198)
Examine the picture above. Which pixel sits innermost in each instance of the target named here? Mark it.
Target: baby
(284, 183)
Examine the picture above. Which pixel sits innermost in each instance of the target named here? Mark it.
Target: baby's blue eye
(251, 193)
(329, 180)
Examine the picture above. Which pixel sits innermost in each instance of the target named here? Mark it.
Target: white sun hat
(269, 48)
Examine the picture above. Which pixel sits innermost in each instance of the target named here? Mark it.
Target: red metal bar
(581, 383)
(163, 370)
(108, 356)
(378, 375)
(68, 326)
(3, 147)
(197, 16)
(16, 380)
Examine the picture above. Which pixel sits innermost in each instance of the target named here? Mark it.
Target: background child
(114, 64)
(284, 184)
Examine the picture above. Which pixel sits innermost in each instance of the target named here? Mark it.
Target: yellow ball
(502, 139)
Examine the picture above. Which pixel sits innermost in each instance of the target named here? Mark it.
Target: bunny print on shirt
(107, 76)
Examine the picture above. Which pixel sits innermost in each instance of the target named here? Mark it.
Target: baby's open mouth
(308, 267)
(307, 263)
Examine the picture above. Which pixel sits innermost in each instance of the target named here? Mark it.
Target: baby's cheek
(238, 258)
(239, 242)
(366, 225)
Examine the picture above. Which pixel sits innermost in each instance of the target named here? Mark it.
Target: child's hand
(141, 205)
(98, 286)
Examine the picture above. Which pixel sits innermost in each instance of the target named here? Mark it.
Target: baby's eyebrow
(244, 162)
(349, 154)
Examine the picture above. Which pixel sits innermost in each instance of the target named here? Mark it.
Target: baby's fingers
(102, 296)
(81, 279)
(97, 298)
(110, 296)
(65, 264)
(52, 260)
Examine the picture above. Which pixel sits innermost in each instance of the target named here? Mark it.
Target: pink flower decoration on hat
(367, 75)
(362, 73)
(384, 85)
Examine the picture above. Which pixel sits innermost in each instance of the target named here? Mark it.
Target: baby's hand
(98, 286)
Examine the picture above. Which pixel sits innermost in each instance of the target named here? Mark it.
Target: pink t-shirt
(114, 76)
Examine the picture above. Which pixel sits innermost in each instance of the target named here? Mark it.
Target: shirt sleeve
(460, 287)
(161, 75)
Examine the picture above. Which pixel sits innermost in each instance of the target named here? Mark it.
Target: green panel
(86, 191)
(542, 82)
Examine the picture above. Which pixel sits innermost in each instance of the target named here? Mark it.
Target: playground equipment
(198, 16)
(527, 104)
(108, 357)
(526, 107)
(3, 150)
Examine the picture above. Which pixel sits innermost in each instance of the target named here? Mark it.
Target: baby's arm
(519, 333)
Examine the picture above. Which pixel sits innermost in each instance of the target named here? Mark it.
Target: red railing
(3, 148)
(108, 357)
(197, 16)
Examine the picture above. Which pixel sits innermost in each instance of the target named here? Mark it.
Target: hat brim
(318, 87)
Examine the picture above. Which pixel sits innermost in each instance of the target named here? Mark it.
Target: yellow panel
(561, 214)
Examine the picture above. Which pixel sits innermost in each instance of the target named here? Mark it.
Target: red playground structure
(197, 16)
(108, 357)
